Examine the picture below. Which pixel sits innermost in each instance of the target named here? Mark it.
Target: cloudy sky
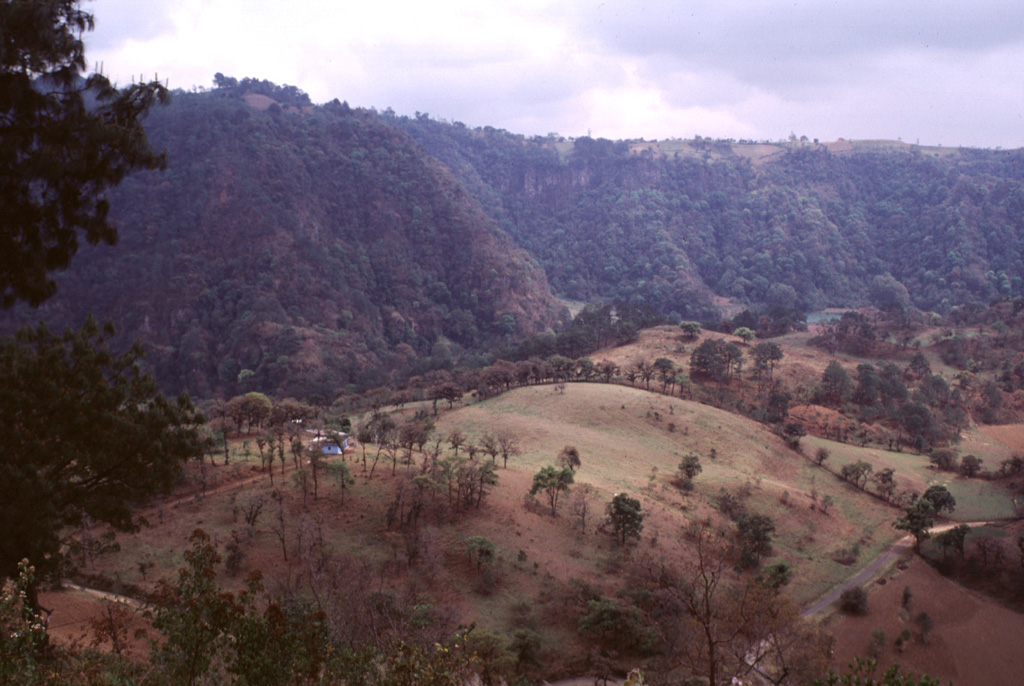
(946, 72)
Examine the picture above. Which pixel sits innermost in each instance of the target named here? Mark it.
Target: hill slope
(794, 224)
(313, 247)
(300, 249)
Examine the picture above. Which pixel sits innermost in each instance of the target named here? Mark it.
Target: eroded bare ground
(975, 641)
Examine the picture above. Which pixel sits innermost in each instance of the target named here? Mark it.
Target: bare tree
(296, 449)
(489, 445)
(583, 500)
(569, 457)
(456, 439)
(280, 529)
(508, 445)
(251, 506)
(729, 630)
(316, 460)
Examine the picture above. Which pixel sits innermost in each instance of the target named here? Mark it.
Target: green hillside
(629, 440)
(798, 224)
(298, 250)
(306, 250)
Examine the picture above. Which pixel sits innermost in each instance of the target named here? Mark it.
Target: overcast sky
(934, 72)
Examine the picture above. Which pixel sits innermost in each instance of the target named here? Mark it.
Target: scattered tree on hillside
(717, 360)
(447, 391)
(836, 385)
(940, 498)
(766, 355)
(777, 408)
(691, 330)
(489, 446)
(456, 439)
(625, 517)
(607, 370)
(857, 473)
(970, 465)
(616, 626)
(252, 409)
(754, 533)
(919, 423)
(480, 549)
(885, 483)
(553, 482)
(582, 502)
(917, 518)
(953, 539)
(465, 482)
(944, 460)
(689, 468)
(296, 447)
(645, 370)
(666, 370)
(745, 334)
(854, 601)
(291, 411)
(569, 457)
(776, 575)
(87, 435)
(508, 446)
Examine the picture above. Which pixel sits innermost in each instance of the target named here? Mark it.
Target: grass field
(977, 499)
(629, 440)
(975, 641)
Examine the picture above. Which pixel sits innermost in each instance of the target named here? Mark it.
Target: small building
(335, 445)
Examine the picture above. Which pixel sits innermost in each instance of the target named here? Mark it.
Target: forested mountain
(299, 249)
(797, 224)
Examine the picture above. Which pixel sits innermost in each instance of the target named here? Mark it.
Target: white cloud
(942, 72)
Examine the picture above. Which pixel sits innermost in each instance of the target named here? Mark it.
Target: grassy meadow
(629, 440)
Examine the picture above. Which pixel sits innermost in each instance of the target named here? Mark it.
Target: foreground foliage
(861, 673)
(65, 141)
(87, 436)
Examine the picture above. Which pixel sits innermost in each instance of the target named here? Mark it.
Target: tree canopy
(86, 434)
(65, 142)
(553, 482)
(625, 517)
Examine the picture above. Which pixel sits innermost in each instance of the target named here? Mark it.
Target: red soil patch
(1010, 435)
(824, 421)
(72, 612)
(840, 145)
(975, 642)
(756, 152)
(258, 101)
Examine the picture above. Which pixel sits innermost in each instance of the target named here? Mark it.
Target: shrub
(730, 505)
(944, 460)
(854, 601)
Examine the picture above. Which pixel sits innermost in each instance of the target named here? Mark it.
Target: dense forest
(299, 251)
(669, 224)
(302, 250)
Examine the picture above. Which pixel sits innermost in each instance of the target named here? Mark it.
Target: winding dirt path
(877, 566)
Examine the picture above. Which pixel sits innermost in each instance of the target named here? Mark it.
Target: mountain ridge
(305, 249)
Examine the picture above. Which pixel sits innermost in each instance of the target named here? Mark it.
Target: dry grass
(975, 641)
(624, 438)
(629, 440)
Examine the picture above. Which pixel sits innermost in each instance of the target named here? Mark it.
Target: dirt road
(881, 563)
